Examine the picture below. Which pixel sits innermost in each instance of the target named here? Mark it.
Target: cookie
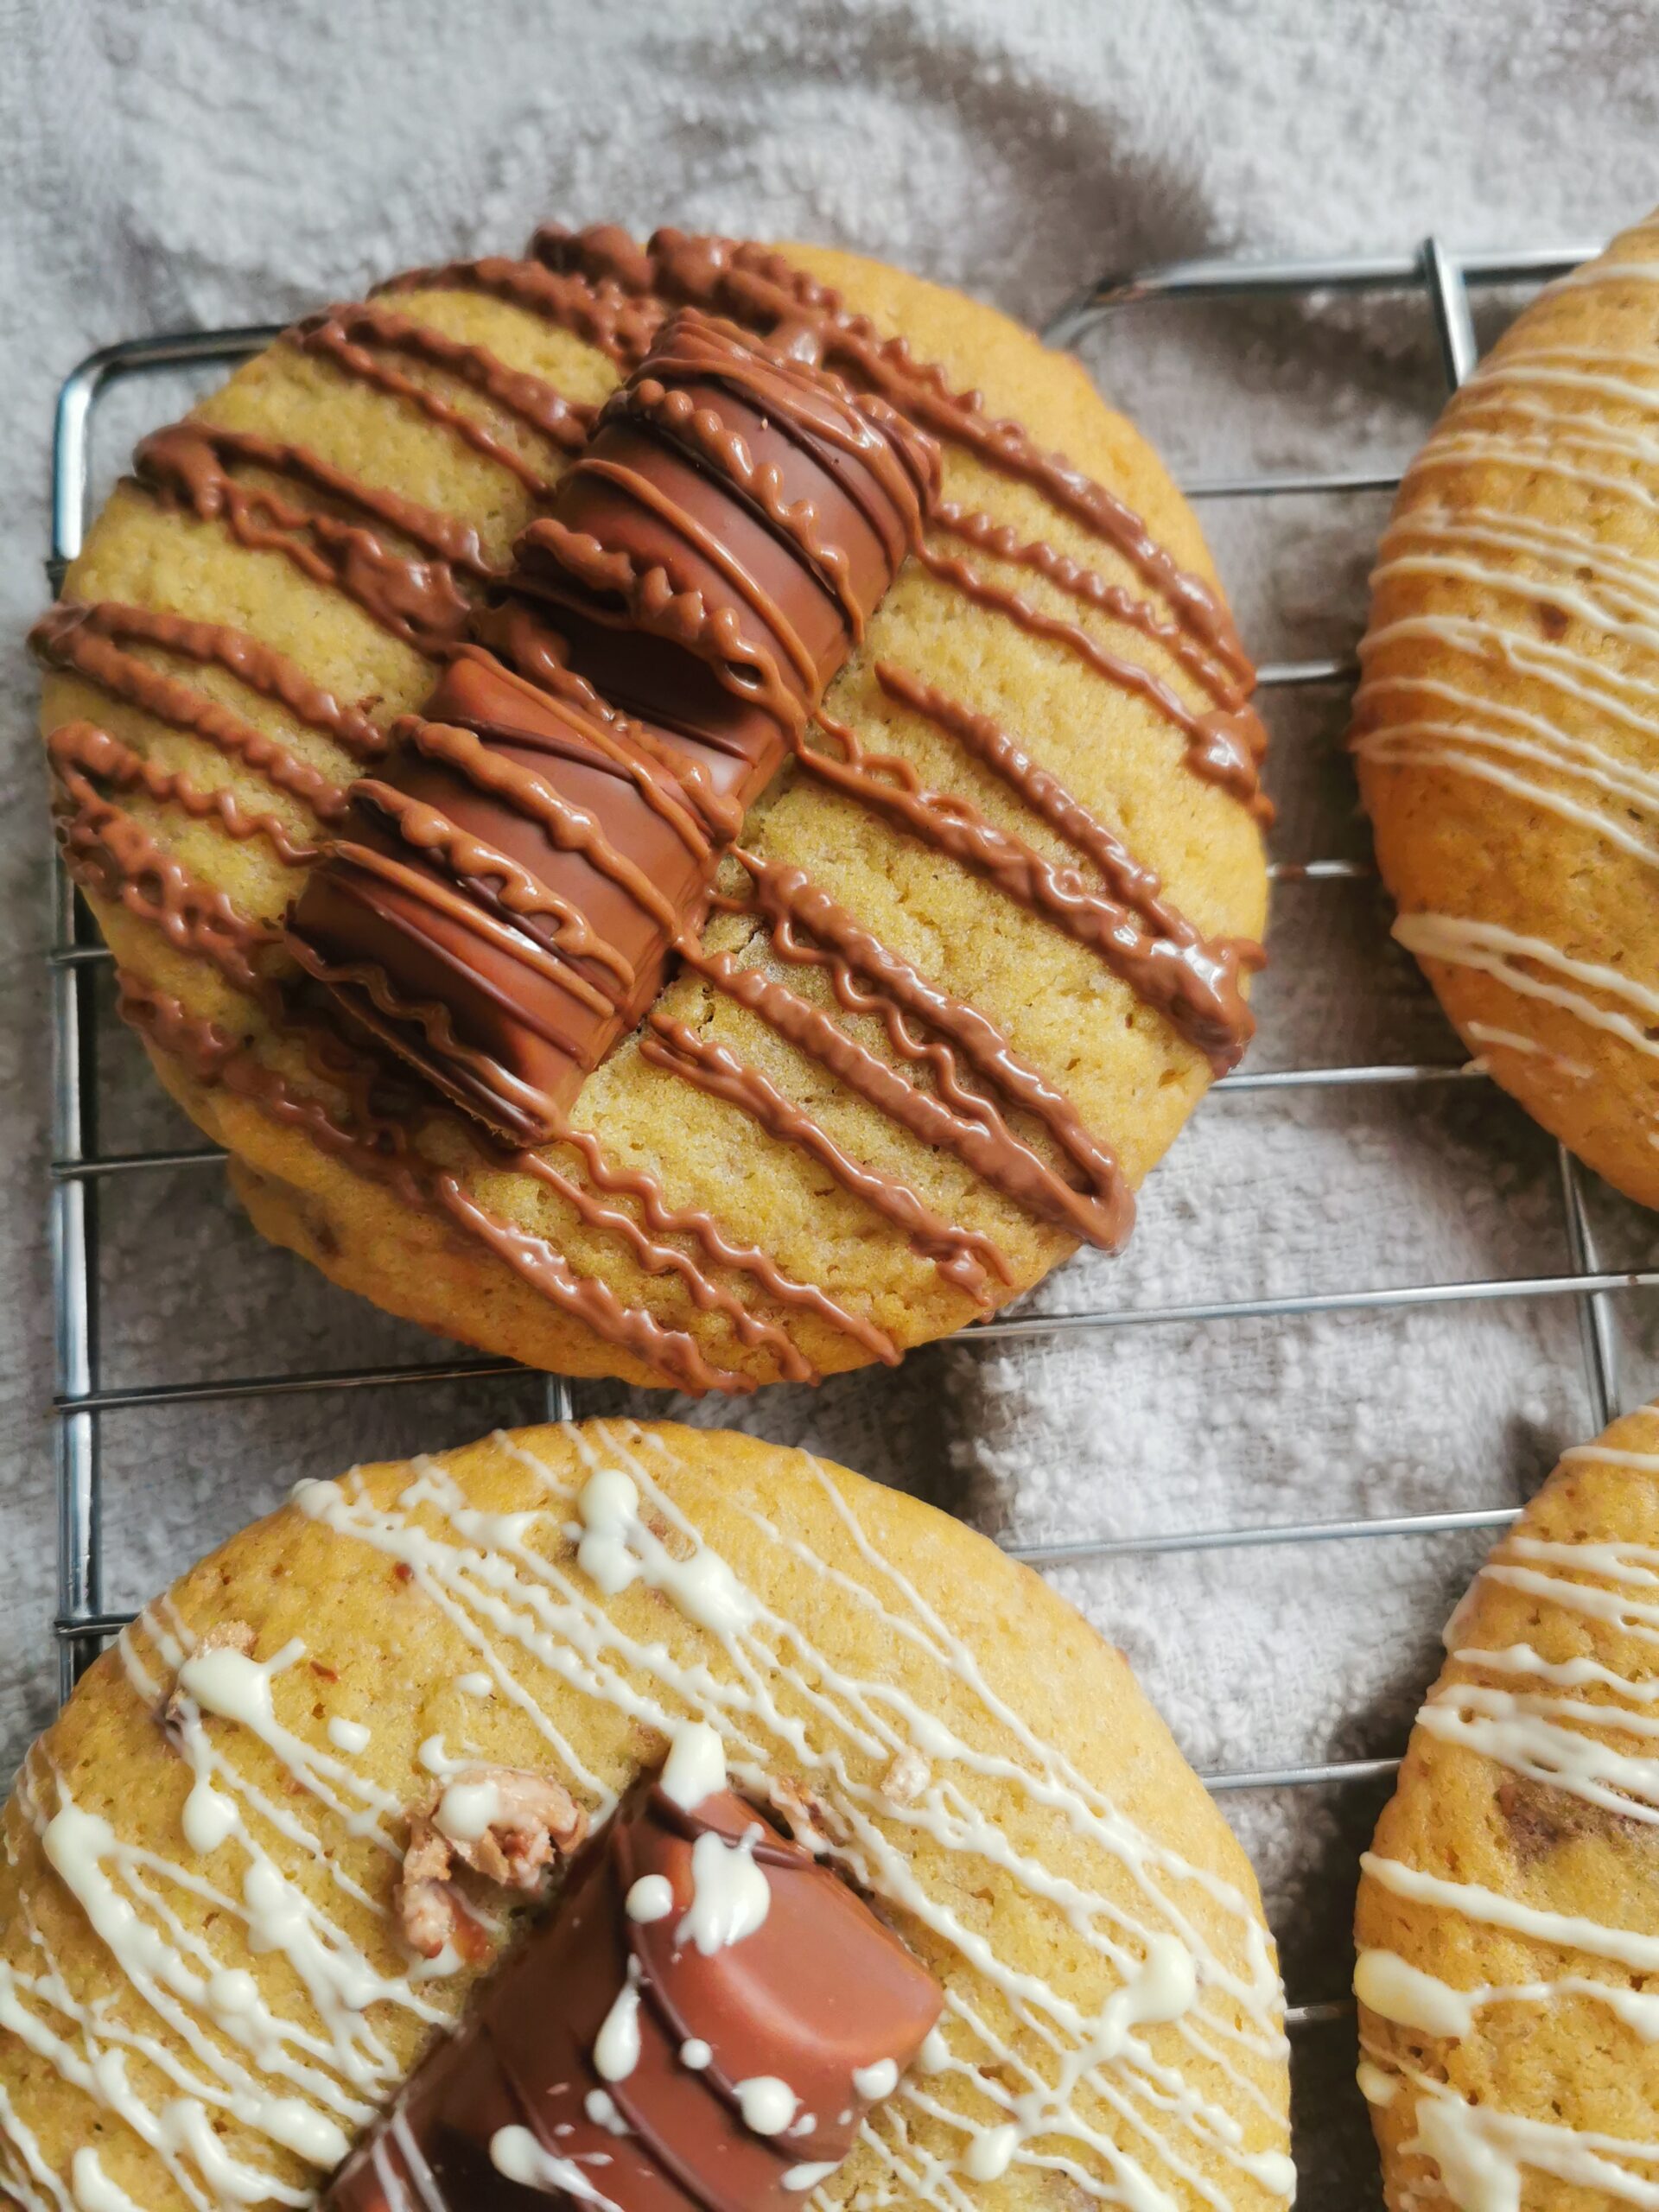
(1504, 726)
(1507, 1923)
(280, 1834)
(961, 968)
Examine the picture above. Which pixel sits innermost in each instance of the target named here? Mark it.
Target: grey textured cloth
(189, 162)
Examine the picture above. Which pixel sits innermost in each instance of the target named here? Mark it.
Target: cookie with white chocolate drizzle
(1508, 1924)
(872, 1057)
(220, 1980)
(1504, 723)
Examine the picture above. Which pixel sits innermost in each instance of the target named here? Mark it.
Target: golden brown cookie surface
(683, 1234)
(1504, 725)
(1507, 1923)
(200, 1963)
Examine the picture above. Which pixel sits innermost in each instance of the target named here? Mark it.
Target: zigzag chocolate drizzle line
(191, 457)
(346, 335)
(93, 751)
(83, 638)
(754, 283)
(216, 1060)
(1196, 992)
(670, 1351)
(416, 601)
(1223, 746)
(1227, 685)
(1104, 1210)
(616, 321)
(747, 1259)
(656, 1258)
(815, 1033)
(962, 1256)
(111, 853)
(1129, 879)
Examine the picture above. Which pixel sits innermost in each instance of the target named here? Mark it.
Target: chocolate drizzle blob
(699, 2024)
(499, 896)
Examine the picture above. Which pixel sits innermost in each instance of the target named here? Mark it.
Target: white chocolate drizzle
(767, 2104)
(1510, 1040)
(1154, 2093)
(515, 2153)
(651, 1898)
(1575, 1725)
(876, 2081)
(695, 1765)
(467, 1810)
(1512, 958)
(1586, 415)
(731, 1896)
(616, 2047)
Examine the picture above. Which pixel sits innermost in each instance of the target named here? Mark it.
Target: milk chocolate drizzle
(109, 849)
(188, 466)
(817, 1996)
(498, 857)
(354, 338)
(373, 1145)
(1224, 745)
(755, 285)
(89, 640)
(606, 314)
(734, 509)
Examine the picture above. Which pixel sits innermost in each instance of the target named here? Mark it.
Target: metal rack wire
(80, 1169)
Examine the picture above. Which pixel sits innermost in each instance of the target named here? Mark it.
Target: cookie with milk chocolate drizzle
(700, 2024)
(474, 850)
(503, 901)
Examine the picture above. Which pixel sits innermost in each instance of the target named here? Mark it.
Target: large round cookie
(1504, 725)
(1508, 1914)
(262, 613)
(962, 1744)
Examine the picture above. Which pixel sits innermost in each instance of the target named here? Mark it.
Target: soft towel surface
(196, 163)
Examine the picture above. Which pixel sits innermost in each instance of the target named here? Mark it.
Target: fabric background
(187, 163)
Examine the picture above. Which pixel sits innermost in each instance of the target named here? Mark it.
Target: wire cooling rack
(80, 1169)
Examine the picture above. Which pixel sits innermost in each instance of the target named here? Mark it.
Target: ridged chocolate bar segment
(818, 2000)
(502, 906)
(499, 909)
